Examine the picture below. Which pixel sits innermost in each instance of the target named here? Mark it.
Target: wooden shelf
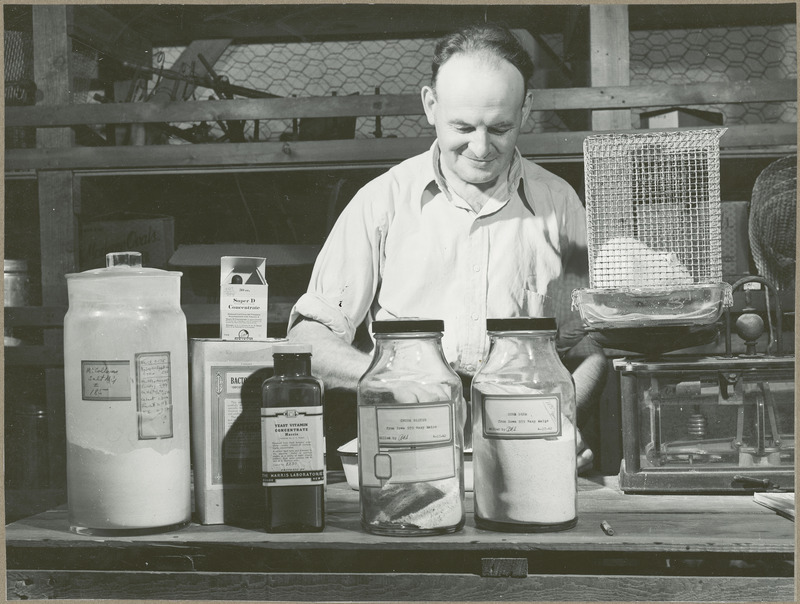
(364, 152)
(739, 139)
(666, 547)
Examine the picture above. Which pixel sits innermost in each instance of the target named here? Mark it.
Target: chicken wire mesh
(653, 209)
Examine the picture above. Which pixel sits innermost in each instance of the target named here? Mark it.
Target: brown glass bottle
(293, 466)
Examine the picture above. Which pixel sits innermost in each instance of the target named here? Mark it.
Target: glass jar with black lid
(411, 414)
(524, 431)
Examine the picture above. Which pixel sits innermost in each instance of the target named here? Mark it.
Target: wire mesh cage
(653, 208)
(654, 230)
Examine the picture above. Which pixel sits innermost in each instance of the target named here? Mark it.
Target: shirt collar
(514, 175)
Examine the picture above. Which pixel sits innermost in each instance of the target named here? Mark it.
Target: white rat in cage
(627, 262)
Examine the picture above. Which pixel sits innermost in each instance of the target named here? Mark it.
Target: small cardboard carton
(243, 299)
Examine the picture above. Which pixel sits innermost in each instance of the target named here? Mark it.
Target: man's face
(477, 109)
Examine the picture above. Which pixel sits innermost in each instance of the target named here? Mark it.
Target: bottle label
(154, 395)
(522, 416)
(291, 446)
(106, 380)
(406, 443)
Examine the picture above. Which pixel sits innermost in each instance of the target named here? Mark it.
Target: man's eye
(499, 130)
(464, 129)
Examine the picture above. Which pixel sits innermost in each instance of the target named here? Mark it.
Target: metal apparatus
(690, 423)
(711, 424)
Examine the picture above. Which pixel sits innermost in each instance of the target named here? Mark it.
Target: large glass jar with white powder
(127, 400)
(523, 431)
(411, 415)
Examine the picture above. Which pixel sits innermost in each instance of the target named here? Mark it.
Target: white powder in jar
(134, 490)
(527, 480)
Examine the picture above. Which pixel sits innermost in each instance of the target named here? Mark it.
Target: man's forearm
(335, 362)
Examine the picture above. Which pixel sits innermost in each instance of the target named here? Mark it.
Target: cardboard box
(243, 298)
(226, 429)
(735, 240)
(679, 117)
(152, 235)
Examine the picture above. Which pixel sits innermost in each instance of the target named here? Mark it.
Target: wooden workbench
(665, 547)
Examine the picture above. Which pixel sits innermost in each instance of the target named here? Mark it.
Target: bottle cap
(291, 349)
(522, 324)
(407, 326)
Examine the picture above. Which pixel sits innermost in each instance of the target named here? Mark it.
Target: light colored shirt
(405, 246)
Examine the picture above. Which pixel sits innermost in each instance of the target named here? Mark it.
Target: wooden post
(58, 207)
(610, 58)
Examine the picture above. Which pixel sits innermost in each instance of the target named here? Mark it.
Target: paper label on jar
(106, 380)
(522, 416)
(154, 395)
(406, 443)
(291, 446)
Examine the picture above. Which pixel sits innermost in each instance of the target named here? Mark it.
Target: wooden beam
(355, 586)
(602, 97)
(59, 199)
(331, 106)
(609, 58)
(307, 22)
(326, 153)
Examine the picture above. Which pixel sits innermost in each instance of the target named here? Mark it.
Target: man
(466, 231)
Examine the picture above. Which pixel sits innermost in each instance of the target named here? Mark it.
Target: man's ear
(429, 103)
(526, 106)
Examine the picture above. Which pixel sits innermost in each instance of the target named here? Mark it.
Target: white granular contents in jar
(138, 489)
(527, 480)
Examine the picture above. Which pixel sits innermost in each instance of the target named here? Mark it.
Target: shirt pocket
(534, 304)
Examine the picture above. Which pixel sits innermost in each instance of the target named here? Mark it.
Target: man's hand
(584, 454)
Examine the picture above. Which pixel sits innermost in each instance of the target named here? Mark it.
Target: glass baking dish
(689, 305)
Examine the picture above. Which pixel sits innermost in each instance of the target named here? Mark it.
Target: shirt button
(476, 268)
(469, 368)
(474, 317)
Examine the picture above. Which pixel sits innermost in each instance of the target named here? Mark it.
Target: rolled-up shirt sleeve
(346, 273)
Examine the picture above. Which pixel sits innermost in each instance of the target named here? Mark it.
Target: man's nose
(479, 143)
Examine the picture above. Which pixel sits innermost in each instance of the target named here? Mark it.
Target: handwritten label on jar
(106, 380)
(154, 395)
(414, 425)
(521, 416)
(406, 443)
(292, 453)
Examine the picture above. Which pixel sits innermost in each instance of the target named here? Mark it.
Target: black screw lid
(407, 326)
(522, 324)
